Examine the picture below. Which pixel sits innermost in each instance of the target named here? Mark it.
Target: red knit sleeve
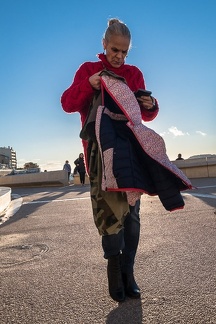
(147, 114)
(79, 95)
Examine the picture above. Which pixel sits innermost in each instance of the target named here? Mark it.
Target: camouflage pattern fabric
(109, 208)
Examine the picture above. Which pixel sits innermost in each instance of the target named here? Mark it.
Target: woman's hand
(95, 81)
(147, 102)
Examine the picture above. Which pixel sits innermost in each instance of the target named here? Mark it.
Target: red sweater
(78, 96)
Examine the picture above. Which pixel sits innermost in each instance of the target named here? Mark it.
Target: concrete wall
(192, 168)
(5, 198)
(35, 179)
(198, 168)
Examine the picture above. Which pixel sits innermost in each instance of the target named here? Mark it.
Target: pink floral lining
(151, 142)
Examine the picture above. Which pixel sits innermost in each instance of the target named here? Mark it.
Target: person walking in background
(115, 215)
(67, 168)
(179, 157)
(80, 167)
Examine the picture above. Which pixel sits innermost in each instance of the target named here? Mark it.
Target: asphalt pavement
(53, 270)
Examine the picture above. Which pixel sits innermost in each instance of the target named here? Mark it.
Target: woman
(80, 167)
(116, 220)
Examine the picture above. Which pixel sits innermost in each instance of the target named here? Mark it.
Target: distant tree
(30, 165)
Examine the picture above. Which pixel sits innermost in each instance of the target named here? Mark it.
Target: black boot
(116, 286)
(131, 288)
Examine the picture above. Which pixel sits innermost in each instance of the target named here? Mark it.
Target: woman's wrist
(153, 102)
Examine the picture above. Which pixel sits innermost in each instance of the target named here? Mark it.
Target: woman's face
(116, 50)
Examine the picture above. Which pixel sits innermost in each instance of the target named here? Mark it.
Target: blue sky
(43, 42)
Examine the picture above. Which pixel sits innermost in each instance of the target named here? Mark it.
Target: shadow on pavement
(205, 191)
(35, 197)
(129, 311)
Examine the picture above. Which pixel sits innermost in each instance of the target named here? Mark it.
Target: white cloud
(163, 134)
(175, 131)
(201, 133)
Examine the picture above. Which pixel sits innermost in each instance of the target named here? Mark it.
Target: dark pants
(82, 177)
(126, 241)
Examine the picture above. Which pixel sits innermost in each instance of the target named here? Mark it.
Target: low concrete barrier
(5, 198)
(198, 168)
(192, 168)
(36, 179)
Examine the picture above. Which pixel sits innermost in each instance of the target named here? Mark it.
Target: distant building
(8, 158)
(4, 161)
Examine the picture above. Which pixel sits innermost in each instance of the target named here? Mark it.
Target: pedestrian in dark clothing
(80, 166)
(179, 157)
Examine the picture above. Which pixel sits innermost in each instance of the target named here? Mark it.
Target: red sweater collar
(107, 65)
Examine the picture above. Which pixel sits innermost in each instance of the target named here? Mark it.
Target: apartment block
(8, 158)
